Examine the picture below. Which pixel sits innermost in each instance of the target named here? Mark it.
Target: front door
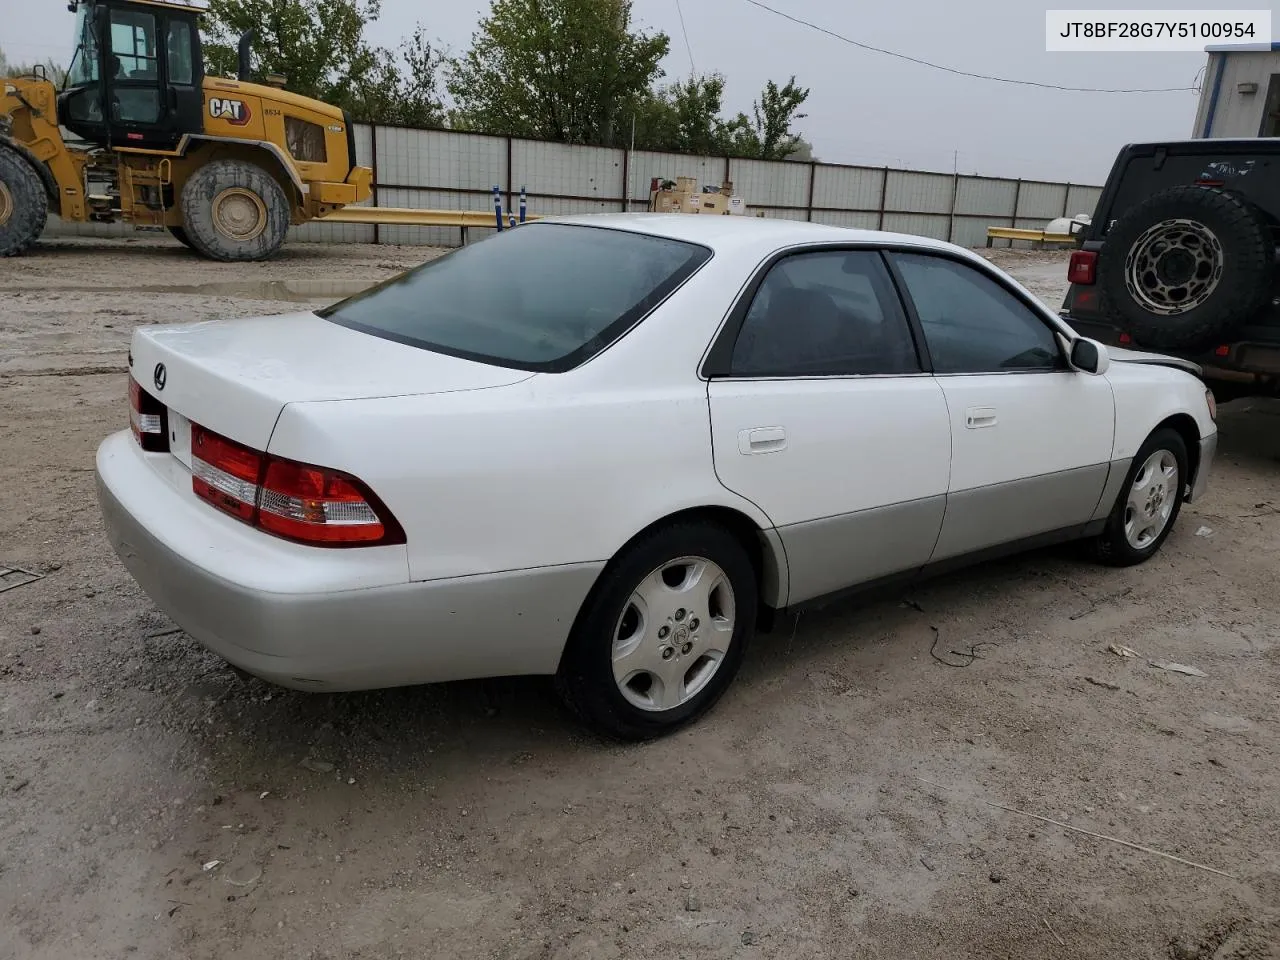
(822, 416)
(1031, 438)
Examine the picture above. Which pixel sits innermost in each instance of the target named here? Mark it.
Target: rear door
(822, 415)
(1031, 438)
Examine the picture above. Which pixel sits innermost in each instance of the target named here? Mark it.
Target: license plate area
(180, 438)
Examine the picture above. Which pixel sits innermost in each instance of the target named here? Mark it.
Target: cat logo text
(232, 111)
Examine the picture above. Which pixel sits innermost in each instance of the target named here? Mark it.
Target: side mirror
(1089, 356)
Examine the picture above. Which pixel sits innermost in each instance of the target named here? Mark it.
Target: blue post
(512, 216)
(524, 202)
(497, 206)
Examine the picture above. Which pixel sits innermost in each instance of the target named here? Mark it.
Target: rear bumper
(1208, 451)
(303, 629)
(1251, 362)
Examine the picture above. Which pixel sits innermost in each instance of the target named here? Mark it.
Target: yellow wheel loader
(140, 134)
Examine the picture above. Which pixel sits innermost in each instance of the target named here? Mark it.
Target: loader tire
(235, 211)
(24, 206)
(180, 235)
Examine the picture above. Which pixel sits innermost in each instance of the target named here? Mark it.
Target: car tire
(1122, 543)
(235, 211)
(662, 634)
(1185, 267)
(24, 205)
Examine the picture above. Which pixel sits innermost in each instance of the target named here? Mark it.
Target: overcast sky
(864, 107)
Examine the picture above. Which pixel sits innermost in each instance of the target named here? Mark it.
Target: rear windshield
(540, 297)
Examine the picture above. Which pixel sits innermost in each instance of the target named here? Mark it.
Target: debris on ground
(1120, 650)
(1204, 531)
(13, 577)
(210, 865)
(1102, 683)
(1177, 668)
(1109, 598)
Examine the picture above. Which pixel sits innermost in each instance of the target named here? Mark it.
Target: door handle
(762, 440)
(976, 418)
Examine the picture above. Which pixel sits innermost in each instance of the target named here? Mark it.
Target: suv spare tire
(1185, 266)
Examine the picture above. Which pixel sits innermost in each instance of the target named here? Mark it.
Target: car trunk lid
(235, 376)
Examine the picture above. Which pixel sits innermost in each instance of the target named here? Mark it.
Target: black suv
(1181, 259)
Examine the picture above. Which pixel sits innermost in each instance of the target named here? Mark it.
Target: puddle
(295, 291)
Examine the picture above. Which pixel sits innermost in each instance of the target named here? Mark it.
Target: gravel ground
(851, 797)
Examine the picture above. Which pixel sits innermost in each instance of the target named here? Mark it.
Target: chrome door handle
(975, 418)
(762, 440)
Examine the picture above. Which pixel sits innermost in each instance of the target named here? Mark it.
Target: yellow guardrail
(1033, 236)
(412, 217)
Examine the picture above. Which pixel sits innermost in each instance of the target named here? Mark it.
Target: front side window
(133, 45)
(543, 297)
(84, 62)
(971, 323)
(135, 68)
(828, 313)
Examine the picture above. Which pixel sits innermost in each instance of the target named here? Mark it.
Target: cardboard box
(715, 203)
(669, 202)
(686, 184)
(690, 203)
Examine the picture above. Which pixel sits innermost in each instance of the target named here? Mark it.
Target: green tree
(685, 117)
(769, 136)
(319, 47)
(567, 70)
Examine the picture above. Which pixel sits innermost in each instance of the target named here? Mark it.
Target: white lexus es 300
(606, 448)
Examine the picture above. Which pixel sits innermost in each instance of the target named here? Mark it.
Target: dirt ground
(851, 797)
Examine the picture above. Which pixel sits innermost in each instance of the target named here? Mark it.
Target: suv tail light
(1083, 268)
(294, 501)
(148, 419)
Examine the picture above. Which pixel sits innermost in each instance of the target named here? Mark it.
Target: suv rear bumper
(1253, 363)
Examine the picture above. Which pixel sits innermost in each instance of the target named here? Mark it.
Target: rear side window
(828, 313)
(542, 297)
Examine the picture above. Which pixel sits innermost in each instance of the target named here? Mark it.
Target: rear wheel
(24, 205)
(1149, 502)
(235, 211)
(663, 634)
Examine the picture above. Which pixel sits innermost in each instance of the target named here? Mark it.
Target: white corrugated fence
(448, 170)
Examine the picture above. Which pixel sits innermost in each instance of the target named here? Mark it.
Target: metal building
(1240, 96)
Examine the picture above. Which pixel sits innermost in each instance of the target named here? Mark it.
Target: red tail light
(1083, 268)
(295, 501)
(148, 419)
(1125, 338)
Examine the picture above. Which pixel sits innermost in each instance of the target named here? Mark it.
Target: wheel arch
(1186, 427)
(42, 169)
(262, 153)
(763, 547)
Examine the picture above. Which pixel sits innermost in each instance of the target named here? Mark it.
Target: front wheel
(663, 634)
(1149, 502)
(24, 206)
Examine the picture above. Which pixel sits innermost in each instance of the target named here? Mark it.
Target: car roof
(763, 234)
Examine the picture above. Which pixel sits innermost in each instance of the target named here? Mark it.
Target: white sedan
(606, 448)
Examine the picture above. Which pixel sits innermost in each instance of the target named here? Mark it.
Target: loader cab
(136, 77)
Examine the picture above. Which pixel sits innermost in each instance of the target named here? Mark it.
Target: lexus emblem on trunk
(160, 376)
